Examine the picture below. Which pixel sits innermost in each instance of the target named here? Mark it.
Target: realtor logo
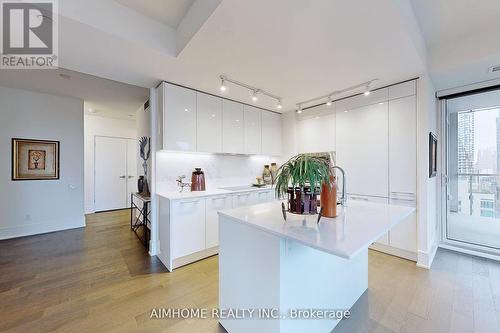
(29, 34)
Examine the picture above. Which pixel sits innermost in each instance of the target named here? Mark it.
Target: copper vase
(329, 199)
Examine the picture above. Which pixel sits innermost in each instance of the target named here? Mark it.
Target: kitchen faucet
(343, 200)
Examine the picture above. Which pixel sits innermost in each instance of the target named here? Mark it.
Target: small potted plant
(300, 179)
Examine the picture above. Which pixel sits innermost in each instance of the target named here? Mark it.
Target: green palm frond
(301, 171)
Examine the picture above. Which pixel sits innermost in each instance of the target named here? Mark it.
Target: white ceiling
(107, 98)
(462, 39)
(169, 12)
(292, 48)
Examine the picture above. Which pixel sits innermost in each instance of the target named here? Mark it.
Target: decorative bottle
(266, 175)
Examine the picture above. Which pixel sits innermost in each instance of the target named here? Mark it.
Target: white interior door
(132, 153)
(110, 173)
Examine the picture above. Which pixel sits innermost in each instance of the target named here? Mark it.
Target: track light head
(222, 84)
(279, 106)
(254, 96)
(367, 90)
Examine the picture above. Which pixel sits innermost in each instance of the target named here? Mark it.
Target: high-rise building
(466, 143)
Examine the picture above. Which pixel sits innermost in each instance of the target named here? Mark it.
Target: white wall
(144, 129)
(101, 126)
(428, 189)
(220, 170)
(39, 206)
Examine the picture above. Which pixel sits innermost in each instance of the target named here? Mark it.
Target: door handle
(130, 177)
(122, 177)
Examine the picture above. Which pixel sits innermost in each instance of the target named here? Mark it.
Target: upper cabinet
(403, 89)
(195, 121)
(362, 149)
(316, 134)
(403, 147)
(271, 133)
(253, 130)
(179, 118)
(209, 123)
(233, 140)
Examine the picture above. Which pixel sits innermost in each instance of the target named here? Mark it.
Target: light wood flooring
(101, 279)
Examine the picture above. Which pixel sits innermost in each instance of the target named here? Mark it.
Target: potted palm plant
(300, 179)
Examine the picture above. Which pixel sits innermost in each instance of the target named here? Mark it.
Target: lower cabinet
(188, 227)
(213, 205)
(243, 199)
(401, 240)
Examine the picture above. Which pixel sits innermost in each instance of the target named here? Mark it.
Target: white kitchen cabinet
(403, 147)
(316, 134)
(355, 102)
(188, 227)
(253, 130)
(243, 199)
(233, 138)
(362, 149)
(179, 118)
(385, 238)
(209, 123)
(403, 89)
(263, 196)
(213, 205)
(271, 133)
(404, 235)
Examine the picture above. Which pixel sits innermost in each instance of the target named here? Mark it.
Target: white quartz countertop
(186, 194)
(357, 226)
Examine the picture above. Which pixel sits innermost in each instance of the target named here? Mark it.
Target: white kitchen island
(267, 263)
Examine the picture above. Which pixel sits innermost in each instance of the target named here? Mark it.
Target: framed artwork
(35, 159)
(432, 155)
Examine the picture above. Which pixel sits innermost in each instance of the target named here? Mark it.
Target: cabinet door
(188, 227)
(403, 89)
(385, 238)
(362, 149)
(271, 133)
(316, 134)
(209, 123)
(214, 204)
(404, 235)
(403, 147)
(253, 130)
(232, 127)
(179, 119)
(262, 196)
(243, 199)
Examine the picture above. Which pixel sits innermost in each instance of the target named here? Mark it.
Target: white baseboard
(40, 228)
(425, 259)
(182, 261)
(394, 251)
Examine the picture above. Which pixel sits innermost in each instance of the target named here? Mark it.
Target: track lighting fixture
(254, 96)
(367, 90)
(255, 91)
(330, 97)
(222, 84)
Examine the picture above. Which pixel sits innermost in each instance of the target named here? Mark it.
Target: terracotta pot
(329, 199)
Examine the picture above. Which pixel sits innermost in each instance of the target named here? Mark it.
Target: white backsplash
(220, 170)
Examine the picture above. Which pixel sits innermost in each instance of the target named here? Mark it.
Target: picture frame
(34, 159)
(433, 146)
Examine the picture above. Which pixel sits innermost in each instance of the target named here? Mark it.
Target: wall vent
(494, 69)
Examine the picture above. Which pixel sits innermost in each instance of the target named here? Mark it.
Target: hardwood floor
(100, 279)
